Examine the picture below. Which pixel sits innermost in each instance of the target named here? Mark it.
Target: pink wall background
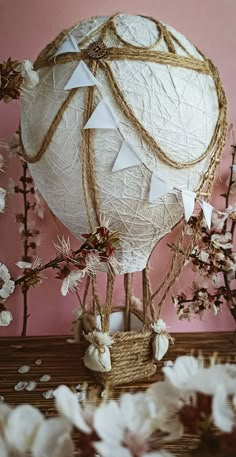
(26, 26)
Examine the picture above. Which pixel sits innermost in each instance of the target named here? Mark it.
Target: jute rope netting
(132, 52)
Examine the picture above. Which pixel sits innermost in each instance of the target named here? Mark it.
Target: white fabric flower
(71, 281)
(67, 405)
(5, 318)
(21, 427)
(30, 76)
(7, 286)
(159, 326)
(2, 199)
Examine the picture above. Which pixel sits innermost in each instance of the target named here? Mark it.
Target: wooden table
(63, 362)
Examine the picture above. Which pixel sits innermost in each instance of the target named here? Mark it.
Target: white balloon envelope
(127, 113)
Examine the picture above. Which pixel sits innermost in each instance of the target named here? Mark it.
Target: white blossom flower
(3, 448)
(222, 412)
(14, 147)
(189, 374)
(2, 199)
(11, 187)
(39, 207)
(125, 428)
(222, 241)
(1, 161)
(92, 263)
(53, 439)
(63, 246)
(71, 281)
(21, 427)
(67, 405)
(204, 256)
(7, 286)
(23, 265)
(5, 318)
(218, 219)
(182, 371)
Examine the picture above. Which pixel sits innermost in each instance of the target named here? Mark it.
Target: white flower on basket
(125, 428)
(97, 356)
(159, 326)
(7, 286)
(70, 283)
(161, 340)
(2, 199)
(31, 77)
(5, 318)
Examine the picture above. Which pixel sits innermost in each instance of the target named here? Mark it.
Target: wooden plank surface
(63, 362)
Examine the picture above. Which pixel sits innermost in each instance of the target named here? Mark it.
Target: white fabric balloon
(177, 106)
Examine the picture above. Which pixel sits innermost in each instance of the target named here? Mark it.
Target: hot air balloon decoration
(126, 125)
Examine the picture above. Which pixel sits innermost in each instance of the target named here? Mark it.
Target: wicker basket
(131, 355)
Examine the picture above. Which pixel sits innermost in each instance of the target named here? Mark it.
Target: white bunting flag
(126, 158)
(68, 45)
(82, 77)
(158, 188)
(207, 211)
(102, 118)
(189, 202)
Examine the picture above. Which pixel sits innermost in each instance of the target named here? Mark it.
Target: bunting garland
(82, 77)
(104, 118)
(188, 198)
(158, 188)
(68, 45)
(126, 158)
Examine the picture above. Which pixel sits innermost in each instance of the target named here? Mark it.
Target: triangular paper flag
(102, 118)
(189, 202)
(82, 77)
(68, 45)
(126, 158)
(207, 211)
(158, 188)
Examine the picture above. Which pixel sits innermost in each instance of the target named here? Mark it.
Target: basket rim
(130, 334)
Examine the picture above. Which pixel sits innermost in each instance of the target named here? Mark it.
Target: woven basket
(131, 355)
